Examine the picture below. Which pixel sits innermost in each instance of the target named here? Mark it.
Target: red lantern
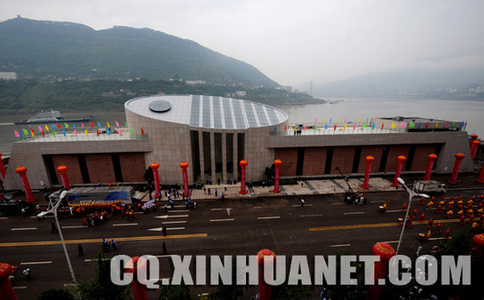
(369, 161)
(277, 171)
(243, 164)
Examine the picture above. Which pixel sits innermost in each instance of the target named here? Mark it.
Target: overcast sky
(296, 41)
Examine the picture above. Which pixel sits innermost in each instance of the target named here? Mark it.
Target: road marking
(125, 224)
(99, 240)
(69, 284)
(73, 227)
(23, 228)
(374, 225)
(171, 216)
(36, 262)
(217, 209)
(355, 213)
(221, 220)
(308, 216)
(340, 245)
(21, 287)
(178, 211)
(297, 205)
(268, 218)
(165, 255)
(337, 203)
(47, 216)
(393, 210)
(391, 242)
(3, 218)
(377, 201)
(257, 206)
(174, 222)
(167, 228)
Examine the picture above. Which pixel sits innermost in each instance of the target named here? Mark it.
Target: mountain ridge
(65, 49)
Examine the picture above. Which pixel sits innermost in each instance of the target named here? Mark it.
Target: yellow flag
(46, 127)
(337, 120)
(86, 132)
(109, 125)
(323, 120)
(345, 127)
(359, 120)
(393, 125)
(436, 124)
(295, 128)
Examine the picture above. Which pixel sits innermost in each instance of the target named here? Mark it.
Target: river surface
(352, 110)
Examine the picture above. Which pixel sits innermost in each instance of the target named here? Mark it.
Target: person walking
(302, 202)
(114, 245)
(163, 230)
(420, 247)
(163, 247)
(80, 250)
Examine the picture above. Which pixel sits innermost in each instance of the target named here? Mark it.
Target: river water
(353, 109)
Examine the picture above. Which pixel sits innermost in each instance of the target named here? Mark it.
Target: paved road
(323, 226)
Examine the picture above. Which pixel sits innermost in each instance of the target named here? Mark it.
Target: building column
(201, 157)
(224, 157)
(235, 174)
(212, 154)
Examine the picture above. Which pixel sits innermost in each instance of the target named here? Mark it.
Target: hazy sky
(295, 41)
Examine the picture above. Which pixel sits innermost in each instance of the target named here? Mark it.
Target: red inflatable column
(430, 165)
(478, 239)
(369, 161)
(473, 138)
(385, 251)
(458, 160)
(474, 146)
(2, 168)
(277, 172)
(264, 288)
(22, 172)
(139, 290)
(480, 179)
(63, 175)
(6, 289)
(156, 178)
(243, 164)
(184, 166)
(401, 160)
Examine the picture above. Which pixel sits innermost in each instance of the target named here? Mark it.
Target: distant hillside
(60, 49)
(441, 84)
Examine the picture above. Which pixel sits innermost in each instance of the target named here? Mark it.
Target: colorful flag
(119, 130)
(323, 120)
(359, 120)
(383, 125)
(315, 127)
(53, 126)
(99, 124)
(109, 126)
(275, 128)
(64, 132)
(344, 128)
(74, 125)
(393, 125)
(373, 127)
(316, 120)
(82, 125)
(43, 134)
(53, 133)
(304, 127)
(325, 126)
(334, 127)
(345, 120)
(445, 125)
(436, 124)
(108, 132)
(354, 126)
(21, 135)
(285, 128)
(117, 124)
(40, 129)
(427, 125)
(57, 125)
(92, 125)
(364, 126)
(294, 129)
(142, 131)
(126, 124)
(46, 127)
(75, 132)
(25, 131)
(97, 132)
(412, 125)
(453, 124)
(17, 134)
(131, 131)
(66, 125)
(86, 133)
(402, 125)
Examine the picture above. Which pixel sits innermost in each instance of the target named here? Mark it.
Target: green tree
(101, 287)
(56, 294)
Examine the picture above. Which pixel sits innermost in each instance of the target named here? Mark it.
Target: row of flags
(26, 133)
(373, 126)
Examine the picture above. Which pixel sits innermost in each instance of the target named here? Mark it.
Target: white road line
(390, 242)
(308, 216)
(3, 218)
(95, 259)
(340, 245)
(178, 211)
(74, 226)
(221, 220)
(217, 209)
(21, 287)
(297, 205)
(174, 222)
(337, 203)
(36, 262)
(47, 216)
(355, 213)
(393, 210)
(125, 224)
(167, 228)
(268, 218)
(257, 206)
(69, 284)
(171, 216)
(23, 228)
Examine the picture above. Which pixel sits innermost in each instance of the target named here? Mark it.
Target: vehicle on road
(15, 208)
(430, 186)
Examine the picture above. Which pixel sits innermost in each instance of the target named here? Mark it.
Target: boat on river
(51, 116)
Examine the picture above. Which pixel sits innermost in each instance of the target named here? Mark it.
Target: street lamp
(53, 209)
(411, 194)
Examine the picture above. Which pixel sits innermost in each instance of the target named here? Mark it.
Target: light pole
(53, 209)
(411, 194)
